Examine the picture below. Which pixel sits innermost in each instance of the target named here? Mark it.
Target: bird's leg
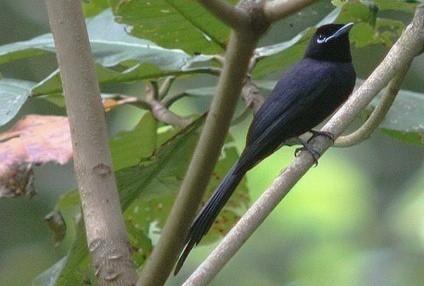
(321, 133)
(306, 147)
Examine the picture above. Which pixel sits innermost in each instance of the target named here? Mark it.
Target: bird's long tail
(210, 211)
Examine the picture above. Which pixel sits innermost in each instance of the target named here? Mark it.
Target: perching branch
(379, 113)
(409, 45)
(106, 234)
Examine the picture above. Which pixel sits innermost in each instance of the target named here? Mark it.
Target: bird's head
(330, 43)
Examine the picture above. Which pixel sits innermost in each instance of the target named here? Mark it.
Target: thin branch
(120, 100)
(279, 9)
(170, 101)
(252, 95)
(232, 16)
(166, 86)
(252, 98)
(160, 111)
(410, 44)
(379, 113)
(106, 234)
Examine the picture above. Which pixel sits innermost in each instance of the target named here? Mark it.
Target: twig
(170, 101)
(252, 95)
(378, 114)
(120, 100)
(165, 87)
(160, 111)
(410, 44)
(106, 234)
(279, 9)
(252, 98)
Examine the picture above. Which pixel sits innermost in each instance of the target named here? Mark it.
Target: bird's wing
(275, 122)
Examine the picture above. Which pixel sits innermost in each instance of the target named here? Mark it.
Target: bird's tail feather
(209, 212)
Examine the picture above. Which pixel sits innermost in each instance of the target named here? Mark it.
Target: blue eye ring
(321, 39)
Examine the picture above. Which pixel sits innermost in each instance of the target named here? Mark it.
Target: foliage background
(357, 219)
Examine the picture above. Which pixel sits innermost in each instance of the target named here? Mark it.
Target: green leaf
(132, 58)
(77, 269)
(276, 57)
(405, 119)
(384, 32)
(13, 94)
(359, 13)
(408, 6)
(407, 137)
(388, 31)
(129, 147)
(182, 24)
(141, 243)
(52, 84)
(339, 3)
(51, 275)
(162, 173)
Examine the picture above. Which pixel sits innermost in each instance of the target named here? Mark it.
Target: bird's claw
(321, 133)
(315, 154)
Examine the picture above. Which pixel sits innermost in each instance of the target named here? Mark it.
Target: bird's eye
(321, 39)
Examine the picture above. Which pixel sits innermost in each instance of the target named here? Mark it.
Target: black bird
(305, 95)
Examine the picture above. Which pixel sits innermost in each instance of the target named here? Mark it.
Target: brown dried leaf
(35, 139)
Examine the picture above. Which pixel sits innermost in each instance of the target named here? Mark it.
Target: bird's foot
(306, 147)
(321, 133)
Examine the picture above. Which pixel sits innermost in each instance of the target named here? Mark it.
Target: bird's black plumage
(305, 95)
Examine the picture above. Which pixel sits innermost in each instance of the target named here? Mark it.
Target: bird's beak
(343, 30)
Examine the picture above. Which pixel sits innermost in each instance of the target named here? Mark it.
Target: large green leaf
(132, 58)
(129, 147)
(13, 94)
(182, 24)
